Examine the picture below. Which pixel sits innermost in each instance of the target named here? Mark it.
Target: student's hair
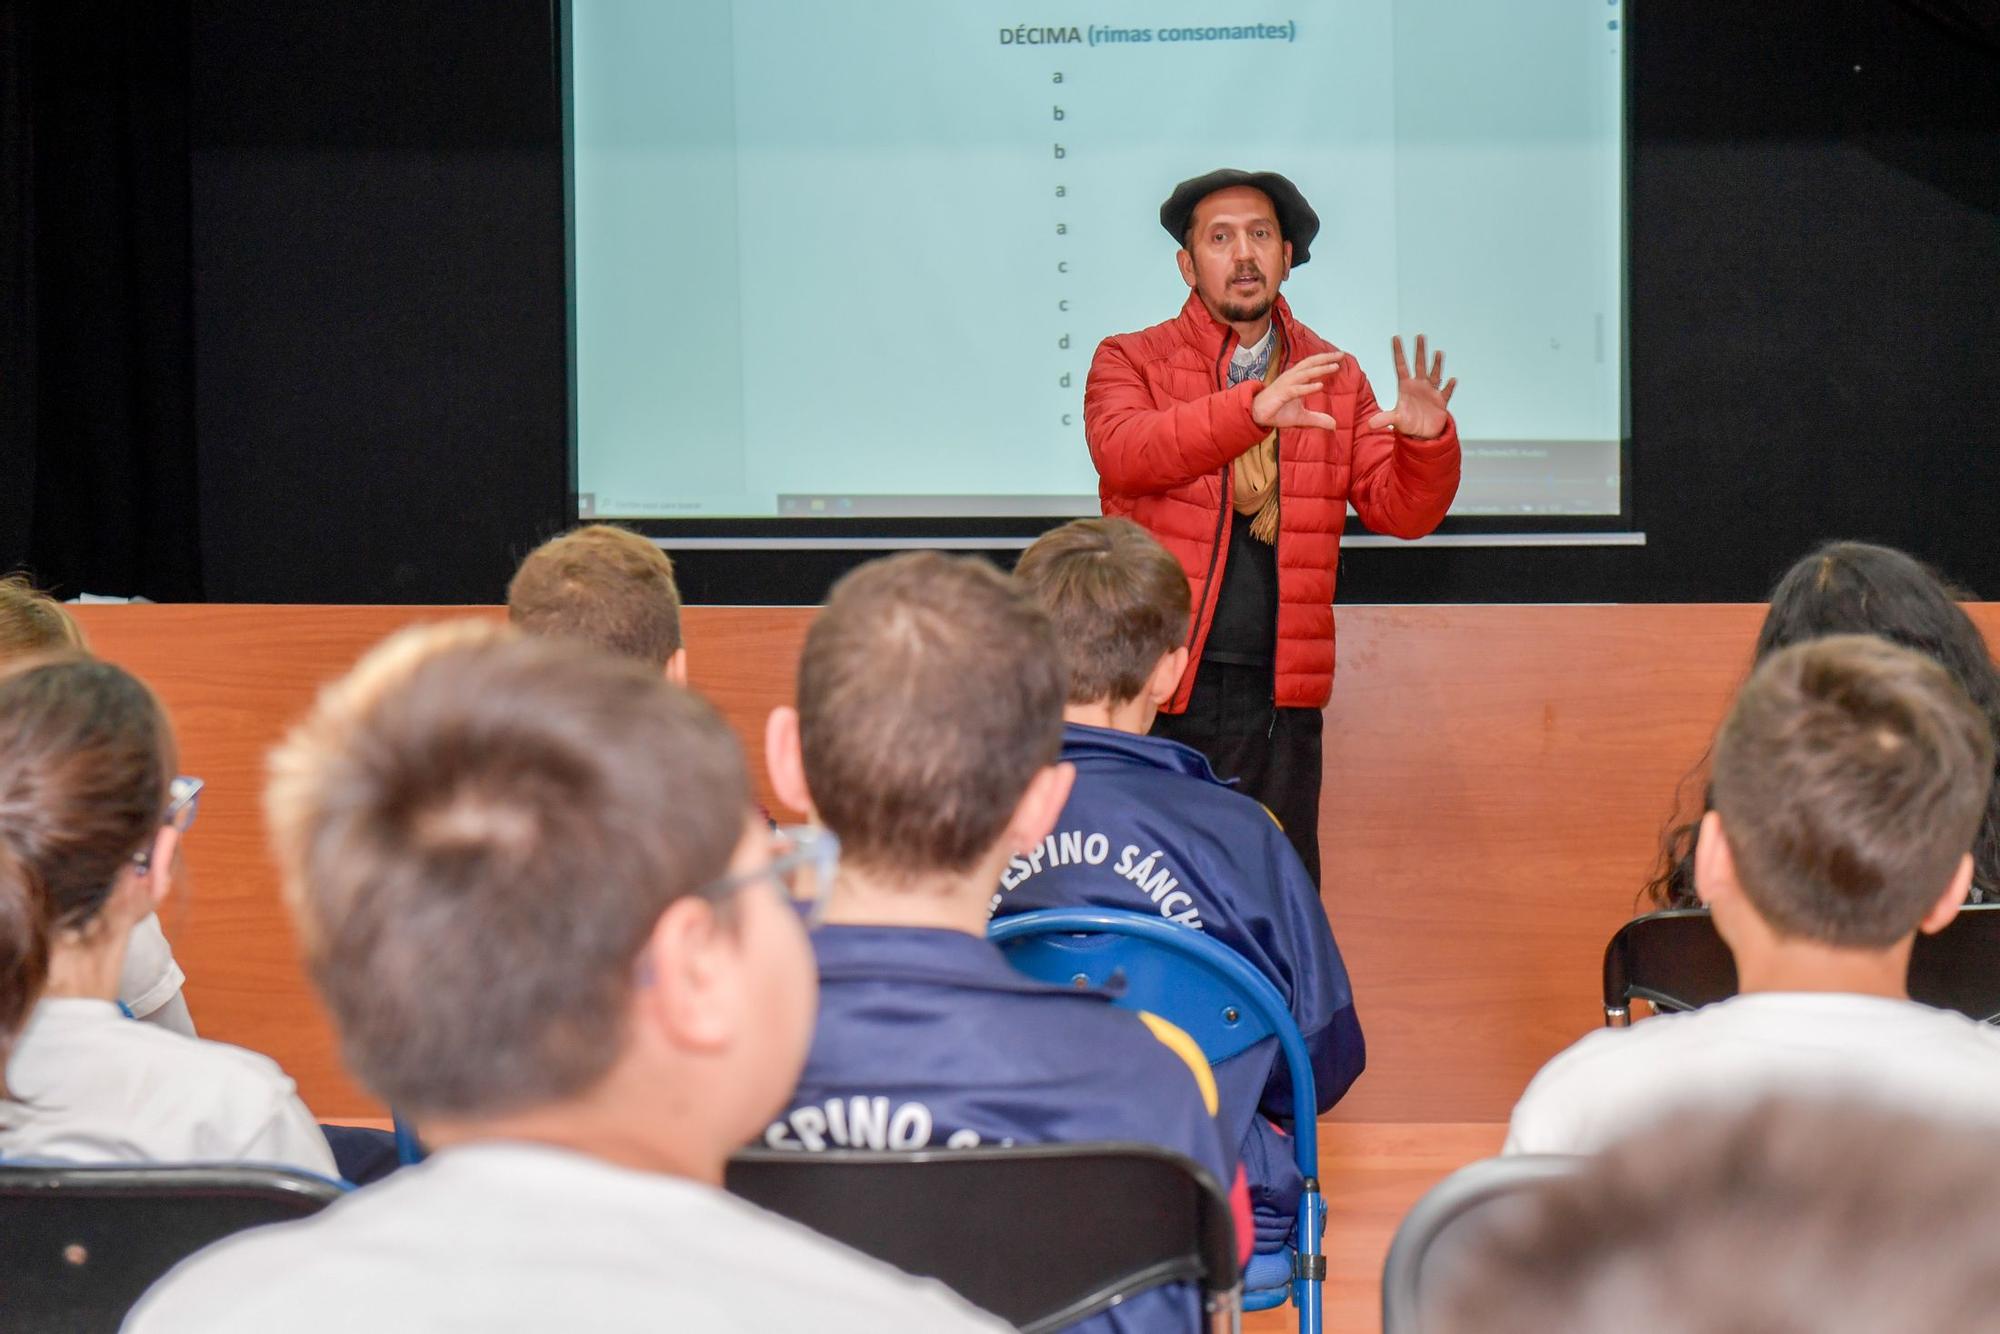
(1118, 601)
(1851, 777)
(33, 622)
(930, 693)
(1856, 588)
(604, 585)
(85, 758)
(1786, 1216)
(477, 832)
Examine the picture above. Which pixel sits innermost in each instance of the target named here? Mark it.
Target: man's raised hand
(1282, 401)
(1420, 402)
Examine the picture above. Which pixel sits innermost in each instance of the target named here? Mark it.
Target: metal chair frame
(1445, 1205)
(1263, 1012)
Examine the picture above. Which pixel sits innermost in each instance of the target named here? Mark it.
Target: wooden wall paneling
(233, 678)
(1497, 777)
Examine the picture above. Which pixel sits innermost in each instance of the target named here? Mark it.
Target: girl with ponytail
(31, 623)
(91, 818)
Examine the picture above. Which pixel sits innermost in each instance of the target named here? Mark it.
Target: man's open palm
(1420, 410)
(1282, 402)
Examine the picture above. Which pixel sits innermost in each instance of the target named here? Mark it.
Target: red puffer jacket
(1163, 427)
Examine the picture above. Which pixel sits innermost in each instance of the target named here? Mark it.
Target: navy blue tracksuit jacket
(929, 1038)
(1150, 828)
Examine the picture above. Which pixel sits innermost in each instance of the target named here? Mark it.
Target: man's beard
(1237, 311)
(1243, 312)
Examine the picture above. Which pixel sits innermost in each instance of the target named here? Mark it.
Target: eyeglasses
(183, 800)
(804, 861)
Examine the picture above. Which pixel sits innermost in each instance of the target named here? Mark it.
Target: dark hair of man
(1858, 588)
(1824, 1216)
(1851, 777)
(85, 757)
(478, 832)
(1118, 601)
(604, 585)
(930, 694)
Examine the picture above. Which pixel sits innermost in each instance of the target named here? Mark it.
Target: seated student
(32, 622)
(1149, 827)
(607, 586)
(1850, 780)
(929, 717)
(91, 818)
(531, 893)
(1854, 588)
(1797, 1215)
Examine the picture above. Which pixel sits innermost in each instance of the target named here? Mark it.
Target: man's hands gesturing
(1420, 404)
(1281, 402)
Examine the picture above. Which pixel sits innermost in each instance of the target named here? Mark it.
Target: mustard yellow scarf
(1254, 475)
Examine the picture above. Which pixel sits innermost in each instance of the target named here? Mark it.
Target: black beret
(1296, 219)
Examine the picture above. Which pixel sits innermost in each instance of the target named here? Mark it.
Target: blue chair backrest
(1148, 963)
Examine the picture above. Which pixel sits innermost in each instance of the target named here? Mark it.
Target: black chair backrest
(1673, 960)
(1433, 1238)
(1676, 961)
(1041, 1235)
(1959, 967)
(79, 1245)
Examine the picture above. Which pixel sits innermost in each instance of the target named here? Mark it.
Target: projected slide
(851, 260)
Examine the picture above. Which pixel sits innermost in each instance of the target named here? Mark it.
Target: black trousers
(1273, 753)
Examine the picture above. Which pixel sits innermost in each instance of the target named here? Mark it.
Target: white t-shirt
(1893, 1053)
(88, 1085)
(508, 1237)
(150, 977)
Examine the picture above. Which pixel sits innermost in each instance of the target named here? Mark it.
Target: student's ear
(1949, 902)
(1715, 865)
(1186, 261)
(785, 760)
(1036, 813)
(1288, 263)
(677, 666)
(1167, 674)
(690, 978)
(159, 877)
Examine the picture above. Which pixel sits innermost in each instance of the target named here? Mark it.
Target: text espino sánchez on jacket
(860, 1121)
(1151, 875)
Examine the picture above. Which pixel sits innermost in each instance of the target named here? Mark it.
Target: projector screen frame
(763, 532)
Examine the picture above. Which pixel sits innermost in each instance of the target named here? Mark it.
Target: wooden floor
(1372, 1173)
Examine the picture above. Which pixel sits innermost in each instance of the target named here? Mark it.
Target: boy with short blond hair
(1149, 828)
(608, 587)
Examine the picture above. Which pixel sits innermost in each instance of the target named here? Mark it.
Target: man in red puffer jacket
(1238, 437)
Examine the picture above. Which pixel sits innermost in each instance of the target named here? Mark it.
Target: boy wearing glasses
(531, 892)
(926, 735)
(1150, 828)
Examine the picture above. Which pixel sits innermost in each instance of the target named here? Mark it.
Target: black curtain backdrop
(96, 352)
(380, 296)
(339, 312)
